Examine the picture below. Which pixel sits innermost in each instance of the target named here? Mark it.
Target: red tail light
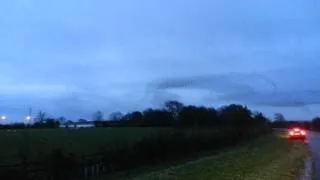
(296, 129)
(302, 132)
(291, 133)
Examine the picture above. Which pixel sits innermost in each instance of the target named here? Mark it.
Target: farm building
(87, 124)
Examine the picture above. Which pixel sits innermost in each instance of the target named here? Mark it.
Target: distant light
(28, 119)
(3, 117)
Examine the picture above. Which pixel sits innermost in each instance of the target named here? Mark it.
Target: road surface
(314, 144)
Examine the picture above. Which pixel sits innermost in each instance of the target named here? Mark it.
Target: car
(297, 133)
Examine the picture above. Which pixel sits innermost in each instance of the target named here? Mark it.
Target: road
(314, 144)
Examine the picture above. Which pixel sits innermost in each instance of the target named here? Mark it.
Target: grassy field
(38, 143)
(270, 157)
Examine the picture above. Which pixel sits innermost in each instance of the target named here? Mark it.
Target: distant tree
(157, 117)
(174, 107)
(62, 120)
(47, 123)
(315, 123)
(198, 116)
(279, 117)
(136, 116)
(69, 122)
(235, 115)
(260, 118)
(52, 123)
(133, 118)
(98, 116)
(188, 116)
(41, 117)
(213, 117)
(115, 116)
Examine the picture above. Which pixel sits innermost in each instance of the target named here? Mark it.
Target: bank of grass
(270, 157)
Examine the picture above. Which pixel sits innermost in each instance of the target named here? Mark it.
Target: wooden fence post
(85, 172)
(92, 171)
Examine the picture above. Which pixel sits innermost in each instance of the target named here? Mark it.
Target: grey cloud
(255, 88)
(216, 82)
(223, 83)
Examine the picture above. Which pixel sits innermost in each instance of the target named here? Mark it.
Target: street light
(28, 119)
(3, 117)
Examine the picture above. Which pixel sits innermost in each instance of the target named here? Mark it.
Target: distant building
(87, 124)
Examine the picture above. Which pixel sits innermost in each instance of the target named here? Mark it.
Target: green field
(270, 157)
(38, 143)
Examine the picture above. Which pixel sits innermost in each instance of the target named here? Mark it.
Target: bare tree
(98, 116)
(42, 116)
(62, 120)
(116, 116)
(174, 107)
(279, 117)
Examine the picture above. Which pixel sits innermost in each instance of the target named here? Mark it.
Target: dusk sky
(72, 58)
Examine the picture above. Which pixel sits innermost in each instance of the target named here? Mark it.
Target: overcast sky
(72, 58)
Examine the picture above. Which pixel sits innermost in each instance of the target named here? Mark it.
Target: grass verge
(270, 157)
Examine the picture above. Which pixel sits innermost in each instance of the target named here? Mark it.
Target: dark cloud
(216, 82)
(221, 83)
(245, 88)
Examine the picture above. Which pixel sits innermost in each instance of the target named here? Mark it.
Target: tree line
(281, 122)
(172, 114)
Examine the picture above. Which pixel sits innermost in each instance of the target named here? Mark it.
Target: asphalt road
(314, 144)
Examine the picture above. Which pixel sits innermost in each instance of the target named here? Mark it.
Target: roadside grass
(271, 157)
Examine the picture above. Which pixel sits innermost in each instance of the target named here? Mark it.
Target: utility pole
(30, 112)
